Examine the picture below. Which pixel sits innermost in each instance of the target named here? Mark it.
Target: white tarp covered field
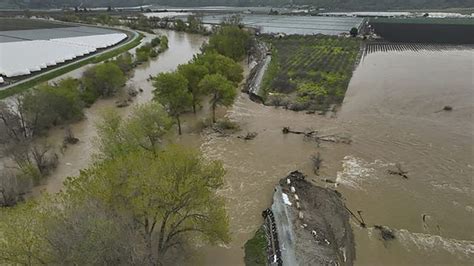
(23, 57)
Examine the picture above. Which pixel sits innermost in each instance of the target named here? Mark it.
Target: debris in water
(445, 108)
(317, 161)
(328, 181)
(313, 135)
(399, 171)
(69, 137)
(249, 136)
(385, 232)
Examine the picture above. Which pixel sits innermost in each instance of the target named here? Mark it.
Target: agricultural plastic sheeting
(22, 58)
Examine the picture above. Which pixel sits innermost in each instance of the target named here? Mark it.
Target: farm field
(309, 72)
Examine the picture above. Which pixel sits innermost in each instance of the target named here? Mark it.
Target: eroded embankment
(310, 223)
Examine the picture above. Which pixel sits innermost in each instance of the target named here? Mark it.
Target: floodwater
(391, 113)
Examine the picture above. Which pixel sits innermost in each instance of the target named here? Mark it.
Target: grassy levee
(255, 249)
(61, 71)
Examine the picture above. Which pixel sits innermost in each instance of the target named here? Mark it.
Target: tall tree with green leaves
(171, 90)
(231, 41)
(219, 64)
(222, 91)
(104, 79)
(194, 73)
(22, 236)
(144, 129)
(169, 197)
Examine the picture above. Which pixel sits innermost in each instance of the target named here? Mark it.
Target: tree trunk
(179, 124)
(194, 105)
(213, 113)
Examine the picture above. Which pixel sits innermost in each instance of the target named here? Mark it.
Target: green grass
(300, 63)
(255, 249)
(61, 71)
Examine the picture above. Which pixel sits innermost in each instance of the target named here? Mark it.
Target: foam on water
(355, 172)
(432, 242)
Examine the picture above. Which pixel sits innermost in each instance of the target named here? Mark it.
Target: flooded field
(391, 111)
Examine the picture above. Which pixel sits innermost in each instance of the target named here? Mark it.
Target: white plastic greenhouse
(22, 58)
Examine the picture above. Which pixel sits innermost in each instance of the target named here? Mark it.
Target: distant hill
(330, 4)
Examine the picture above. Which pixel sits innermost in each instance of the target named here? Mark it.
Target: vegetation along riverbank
(165, 204)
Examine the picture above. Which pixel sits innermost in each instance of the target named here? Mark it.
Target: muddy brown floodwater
(390, 110)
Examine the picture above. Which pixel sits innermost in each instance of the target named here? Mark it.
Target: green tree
(219, 64)
(171, 90)
(124, 62)
(195, 24)
(354, 31)
(22, 240)
(103, 79)
(155, 42)
(194, 73)
(170, 198)
(49, 105)
(231, 41)
(179, 25)
(222, 91)
(144, 129)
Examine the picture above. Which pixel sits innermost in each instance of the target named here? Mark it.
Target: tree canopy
(219, 64)
(144, 129)
(222, 91)
(103, 79)
(231, 41)
(171, 90)
(194, 74)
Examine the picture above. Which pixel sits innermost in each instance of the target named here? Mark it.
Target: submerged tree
(222, 91)
(171, 90)
(194, 73)
(103, 79)
(143, 129)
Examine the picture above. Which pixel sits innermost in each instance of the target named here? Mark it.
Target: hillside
(329, 4)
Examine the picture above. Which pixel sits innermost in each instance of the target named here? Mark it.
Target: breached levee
(307, 225)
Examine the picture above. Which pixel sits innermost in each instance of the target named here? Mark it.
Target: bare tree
(10, 188)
